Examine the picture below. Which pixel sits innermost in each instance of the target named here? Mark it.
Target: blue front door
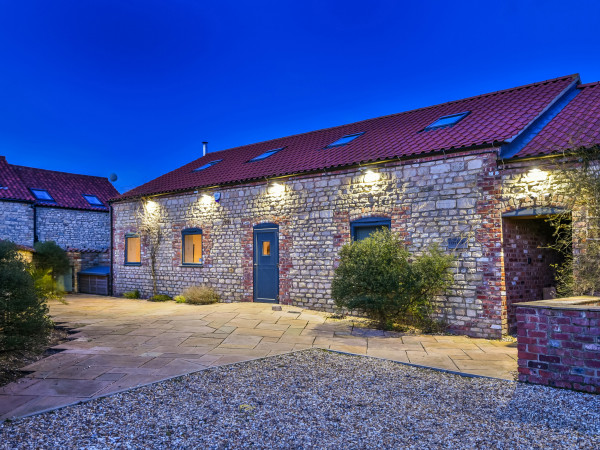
(266, 263)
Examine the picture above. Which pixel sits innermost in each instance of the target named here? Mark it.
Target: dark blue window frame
(127, 236)
(37, 197)
(266, 154)
(369, 222)
(93, 203)
(207, 165)
(345, 140)
(459, 117)
(187, 232)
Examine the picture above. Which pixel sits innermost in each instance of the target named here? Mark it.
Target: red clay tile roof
(576, 126)
(67, 189)
(11, 186)
(494, 118)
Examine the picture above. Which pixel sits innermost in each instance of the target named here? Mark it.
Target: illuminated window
(192, 246)
(42, 194)
(447, 121)
(345, 140)
(133, 249)
(266, 248)
(207, 165)
(265, 155)
(93, 200)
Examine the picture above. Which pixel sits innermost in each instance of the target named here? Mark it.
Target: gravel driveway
(320, 399)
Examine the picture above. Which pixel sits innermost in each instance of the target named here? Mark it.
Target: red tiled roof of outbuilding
(67, 189)
(11, 186)
(494, 118)
(576, 126)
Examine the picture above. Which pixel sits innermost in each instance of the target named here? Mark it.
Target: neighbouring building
(265, 222)
(69, 209)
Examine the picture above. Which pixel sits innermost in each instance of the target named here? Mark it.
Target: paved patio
(121, 343)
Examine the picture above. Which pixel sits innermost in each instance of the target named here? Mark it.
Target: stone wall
(74, 228)
(560, 345)
(428, 201)
(16, 222)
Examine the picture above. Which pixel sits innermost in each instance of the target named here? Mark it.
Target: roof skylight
(447, 121)
(265, 155)
(42, 194)
(345, 140)
(93, 200)
(207, 165)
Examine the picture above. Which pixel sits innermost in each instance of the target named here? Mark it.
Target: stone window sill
(132, 264)
(192, 265)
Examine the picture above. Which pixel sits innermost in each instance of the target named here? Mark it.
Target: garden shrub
(201, 295)
(46, 287)
(378, 276)
(132, 294)
(179, 299)
(160, 298)
(49, 256)
(23, 315)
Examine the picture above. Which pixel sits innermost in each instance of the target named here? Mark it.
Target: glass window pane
(133, 250)
(266, 248)
(192, 248)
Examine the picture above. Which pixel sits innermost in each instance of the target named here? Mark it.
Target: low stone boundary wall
(559, 343)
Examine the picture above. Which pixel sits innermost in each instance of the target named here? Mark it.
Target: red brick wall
(559, 347)
(527, 264)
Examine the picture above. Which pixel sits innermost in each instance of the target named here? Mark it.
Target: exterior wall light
(371, 176)
(536, 176)
(275, 188)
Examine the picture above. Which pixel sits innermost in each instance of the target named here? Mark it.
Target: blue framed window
(207, 165)
(345, 140)
(191, 241)
(266, 154)
(133, 249)
(362, 228)
(42, 195)
(447, 121)
(93, 200)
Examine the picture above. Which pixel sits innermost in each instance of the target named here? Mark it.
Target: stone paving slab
(122, 343)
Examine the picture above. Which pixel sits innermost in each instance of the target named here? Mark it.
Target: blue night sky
(134, 87)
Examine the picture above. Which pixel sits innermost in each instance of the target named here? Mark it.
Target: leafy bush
(23, 315)
(49, 256)
(201, 295)
(378, 276)
(179, 299)
(46, 287)
(132, 294)
(160, 298)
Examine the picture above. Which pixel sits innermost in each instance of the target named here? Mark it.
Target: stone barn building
(265, 222)
(69, 209)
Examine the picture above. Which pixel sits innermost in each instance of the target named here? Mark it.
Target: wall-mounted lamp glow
(371, 176)
(207, 199)
(275, 188)
(151, 206)
(536, 175)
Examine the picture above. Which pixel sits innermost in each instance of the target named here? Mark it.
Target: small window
(207, 165)
(42, 194)
(133, 249)
(266, 248)
(447, 121)
(192, 246)
(93, 200)
(265, 155)
(344, 140)
(362, 228)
